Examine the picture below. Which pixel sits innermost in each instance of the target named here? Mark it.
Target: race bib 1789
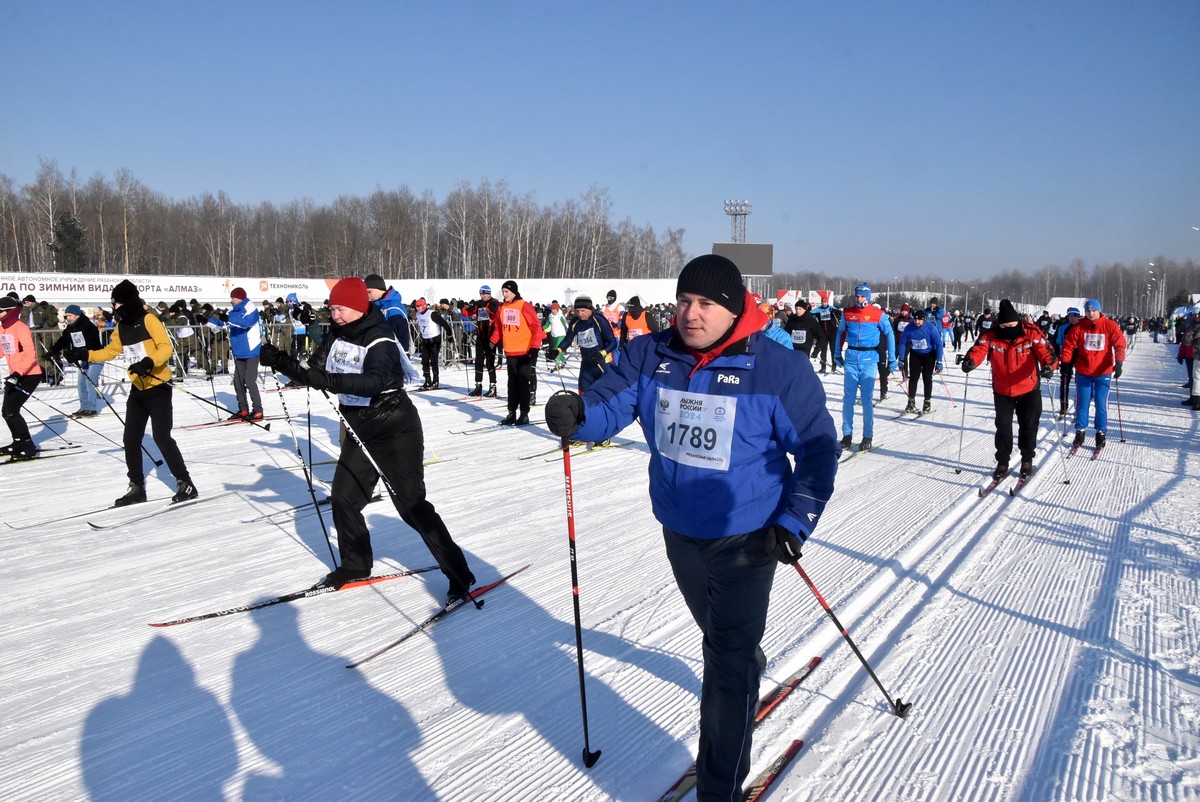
(694, 429)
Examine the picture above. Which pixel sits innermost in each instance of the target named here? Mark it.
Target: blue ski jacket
(720, 432)
(920, 339)
(245, 338)
(396, 316)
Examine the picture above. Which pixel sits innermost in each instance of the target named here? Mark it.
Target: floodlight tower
(738, 211)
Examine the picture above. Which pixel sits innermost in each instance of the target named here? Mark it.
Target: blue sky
(873, 138)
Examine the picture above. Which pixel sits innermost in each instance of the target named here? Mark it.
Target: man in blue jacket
(921, 342)
(245, 339)
(387, 300)
(722, 406)
(863, 330)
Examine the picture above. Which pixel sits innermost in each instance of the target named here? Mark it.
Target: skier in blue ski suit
(862, 329)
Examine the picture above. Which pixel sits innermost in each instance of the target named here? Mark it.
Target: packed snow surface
(1047, 641)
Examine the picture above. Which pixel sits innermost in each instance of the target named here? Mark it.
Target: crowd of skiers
(714, 380)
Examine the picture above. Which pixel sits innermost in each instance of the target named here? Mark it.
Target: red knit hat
(238, 292)
(350, 292)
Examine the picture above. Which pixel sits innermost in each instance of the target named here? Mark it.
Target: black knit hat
(716, 278)
(125, 293)
(375, 282)
(583, 302)
(511, 286)
(8, 302)
(1008, 313)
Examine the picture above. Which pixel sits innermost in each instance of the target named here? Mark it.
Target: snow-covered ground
(1048, 642)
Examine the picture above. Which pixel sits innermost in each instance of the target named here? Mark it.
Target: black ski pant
(1028, 408)
(920, 366)
(828, 345)
(392, 432)
(589, 372)
(726, 584)
(14, 399)
(153, 405)
(485, 355)
(1065, 373)
(431, 354)
(520, 381)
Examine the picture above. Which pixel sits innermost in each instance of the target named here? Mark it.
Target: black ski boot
(1000, 472)
(912, 405)
(340, 576)
(1101, 438)
(1026, 469)
(491, 393)
(135, 495)
(865, 445)
(184, 491)
(927, 407)
(847, 441)
(1079, 437)
(477, 392)
(23, 449)
(510, 419)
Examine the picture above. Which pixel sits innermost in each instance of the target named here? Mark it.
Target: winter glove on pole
(1047, 371)
(1117, 370)
(13, 378)
(968, 365)
(552, 356)
(783, 545)
(564, 413)
(143, 367)
(598, 358)
(318, 378)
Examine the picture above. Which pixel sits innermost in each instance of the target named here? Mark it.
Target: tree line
(1147, 289)
(59, 223)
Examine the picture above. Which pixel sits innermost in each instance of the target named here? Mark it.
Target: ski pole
(1120, 424)
(963, 426)
(307, 471)
(942, 376)
(185, 391)
(392, 492)
(589, 757)
(1058, 444)
(898, 707)
(213, 385)
(83, 371)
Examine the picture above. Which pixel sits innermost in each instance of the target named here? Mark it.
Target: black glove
(564, 413)
(13, 378)
(1117, 370)
(598, 358)
(318, 378)
(968, 365)
(268, 356)
(552, 356)
(783, 545)
(533, 353)
(142, 367)
(76, 356)
(1047, 371)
